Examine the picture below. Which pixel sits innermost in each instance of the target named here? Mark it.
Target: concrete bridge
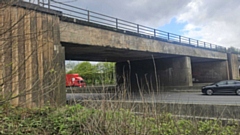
(36, 39)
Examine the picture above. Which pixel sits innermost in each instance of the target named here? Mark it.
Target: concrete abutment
(32, 59)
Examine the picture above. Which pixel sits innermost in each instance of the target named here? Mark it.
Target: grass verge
(79, 120)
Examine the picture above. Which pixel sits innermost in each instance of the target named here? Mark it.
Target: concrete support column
(233, 66)
(182, 71)
(176, 71)
(138, 75)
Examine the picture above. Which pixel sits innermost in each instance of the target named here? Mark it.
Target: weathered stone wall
(207, 72)
(32, 59)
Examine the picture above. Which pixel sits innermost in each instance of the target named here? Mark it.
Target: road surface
(169, 97)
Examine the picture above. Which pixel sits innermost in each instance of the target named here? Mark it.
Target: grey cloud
(218, 21)
(152, 13)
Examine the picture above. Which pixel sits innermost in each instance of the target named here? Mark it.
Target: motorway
(166, 97)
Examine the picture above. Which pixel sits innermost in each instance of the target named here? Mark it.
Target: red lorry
(74, 80)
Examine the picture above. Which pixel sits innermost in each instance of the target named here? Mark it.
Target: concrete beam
(79, 35)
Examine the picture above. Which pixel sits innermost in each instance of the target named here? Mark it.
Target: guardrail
(126, 26)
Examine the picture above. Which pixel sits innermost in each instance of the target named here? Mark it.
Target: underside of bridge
(109, 54)
(150, 71)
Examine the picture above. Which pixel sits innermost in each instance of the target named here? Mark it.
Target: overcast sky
(214, 21)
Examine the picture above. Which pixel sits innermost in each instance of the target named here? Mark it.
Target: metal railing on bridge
(77, 13)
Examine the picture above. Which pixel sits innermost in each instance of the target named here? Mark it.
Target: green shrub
(80, 120)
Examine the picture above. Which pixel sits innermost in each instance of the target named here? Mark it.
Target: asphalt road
(169, 97)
